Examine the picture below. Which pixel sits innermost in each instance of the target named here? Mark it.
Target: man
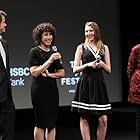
(7, 107)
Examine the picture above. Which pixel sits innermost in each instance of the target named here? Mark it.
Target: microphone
(98, 58)
(54, 48)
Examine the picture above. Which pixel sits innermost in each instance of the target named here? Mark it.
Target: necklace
(44, 49)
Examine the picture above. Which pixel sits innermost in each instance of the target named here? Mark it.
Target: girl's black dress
(91, 93)
(44, 91)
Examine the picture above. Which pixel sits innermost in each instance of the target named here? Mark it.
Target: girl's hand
(92, 64)
(99, 64)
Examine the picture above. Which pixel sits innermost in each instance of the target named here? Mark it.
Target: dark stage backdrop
(69, 18)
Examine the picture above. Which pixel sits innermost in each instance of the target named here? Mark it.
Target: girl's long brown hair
(97, 36)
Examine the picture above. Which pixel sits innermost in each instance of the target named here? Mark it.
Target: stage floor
(121, 124)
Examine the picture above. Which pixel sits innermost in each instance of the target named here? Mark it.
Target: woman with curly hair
(133, 71)
(91, 99)
(45, 67)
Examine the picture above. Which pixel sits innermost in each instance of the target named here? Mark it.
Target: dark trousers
(7, 120)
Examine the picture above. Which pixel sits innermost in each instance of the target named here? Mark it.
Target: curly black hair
(40, 29)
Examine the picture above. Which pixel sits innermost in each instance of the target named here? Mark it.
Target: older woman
(45, 66)
(133, 71)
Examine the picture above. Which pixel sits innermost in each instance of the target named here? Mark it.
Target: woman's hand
(45, 73)
(55, 56)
